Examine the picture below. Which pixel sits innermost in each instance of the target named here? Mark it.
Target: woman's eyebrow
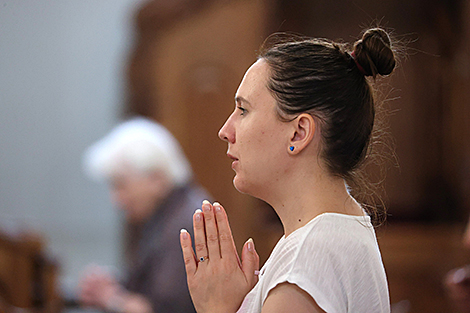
(241, 99)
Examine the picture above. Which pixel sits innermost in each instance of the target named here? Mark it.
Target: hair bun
(374, 53)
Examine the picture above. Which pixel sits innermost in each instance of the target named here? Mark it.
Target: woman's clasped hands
(217, 280)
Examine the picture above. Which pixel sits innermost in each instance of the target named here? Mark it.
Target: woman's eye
(243, 110)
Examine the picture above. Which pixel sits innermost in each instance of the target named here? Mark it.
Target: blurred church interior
(182, 68)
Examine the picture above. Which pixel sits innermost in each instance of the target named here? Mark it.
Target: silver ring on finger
(203, 258)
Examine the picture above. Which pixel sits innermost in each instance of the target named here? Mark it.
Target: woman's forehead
(254, 82)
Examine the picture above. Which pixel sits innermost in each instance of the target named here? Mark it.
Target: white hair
(142, 144)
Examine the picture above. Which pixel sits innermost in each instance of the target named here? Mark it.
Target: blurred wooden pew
(416, 258)
(27, 276)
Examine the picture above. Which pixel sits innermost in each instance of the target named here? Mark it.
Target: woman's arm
(286, 298)
(217, 280)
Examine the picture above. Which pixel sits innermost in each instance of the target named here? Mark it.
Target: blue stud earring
(291, 148)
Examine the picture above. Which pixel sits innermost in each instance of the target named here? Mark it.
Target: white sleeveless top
(335, 258)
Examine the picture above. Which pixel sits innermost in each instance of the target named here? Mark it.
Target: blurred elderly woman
(150, 180)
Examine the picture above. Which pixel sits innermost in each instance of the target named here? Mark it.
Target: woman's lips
(234, 159)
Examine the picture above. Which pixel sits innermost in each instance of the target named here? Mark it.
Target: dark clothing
(157, 268)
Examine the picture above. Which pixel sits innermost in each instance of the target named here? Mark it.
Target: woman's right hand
(217, 280)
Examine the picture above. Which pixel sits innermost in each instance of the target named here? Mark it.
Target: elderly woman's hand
(217, 281)
(97, 286)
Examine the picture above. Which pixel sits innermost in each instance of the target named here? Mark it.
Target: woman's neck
(308, 196)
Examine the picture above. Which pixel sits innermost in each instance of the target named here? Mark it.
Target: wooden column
(184, 72)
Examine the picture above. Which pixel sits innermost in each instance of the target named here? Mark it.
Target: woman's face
(257, 139)
(135, 193)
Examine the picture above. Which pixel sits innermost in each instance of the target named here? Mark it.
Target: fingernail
(206, 206)
(250, 245)
(184, 233)
(198, 214)
(256, 273)
(217, 206)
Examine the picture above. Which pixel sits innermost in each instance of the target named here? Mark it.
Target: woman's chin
(242, 186)
(238, 184)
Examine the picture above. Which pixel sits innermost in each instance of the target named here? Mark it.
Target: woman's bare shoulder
(288, 297)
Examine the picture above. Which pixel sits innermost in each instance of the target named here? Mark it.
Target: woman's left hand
(217, 281)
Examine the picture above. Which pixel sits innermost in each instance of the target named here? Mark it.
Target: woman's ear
(304, 131)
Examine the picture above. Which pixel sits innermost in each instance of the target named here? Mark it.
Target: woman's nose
(226, 133)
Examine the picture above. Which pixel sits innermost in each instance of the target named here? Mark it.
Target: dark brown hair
(329, 81)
